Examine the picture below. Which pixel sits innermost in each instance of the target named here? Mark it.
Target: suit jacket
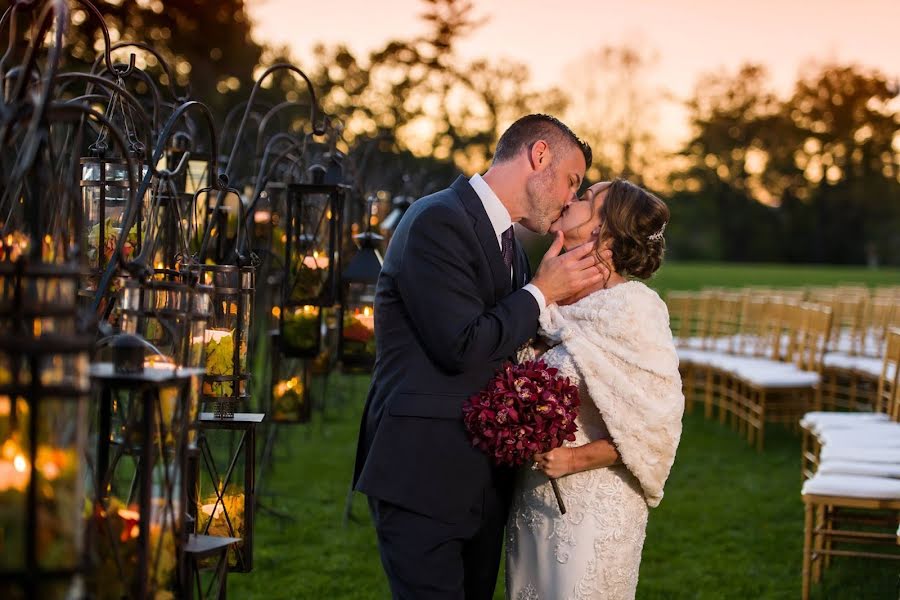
(446, 317)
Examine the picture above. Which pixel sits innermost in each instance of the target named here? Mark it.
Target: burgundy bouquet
(525, 409)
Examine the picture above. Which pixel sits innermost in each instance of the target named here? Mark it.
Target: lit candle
(366, 318)
(315, 261)
(209, 508)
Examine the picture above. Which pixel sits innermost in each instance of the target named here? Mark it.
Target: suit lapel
(486, 236)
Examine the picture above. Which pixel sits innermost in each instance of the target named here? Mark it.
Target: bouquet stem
(559, 499)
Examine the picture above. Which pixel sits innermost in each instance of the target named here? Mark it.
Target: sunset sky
(690, 36)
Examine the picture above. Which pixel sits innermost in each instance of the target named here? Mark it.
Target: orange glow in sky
(690, 37)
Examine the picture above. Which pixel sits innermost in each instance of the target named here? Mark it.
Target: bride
(614, 343)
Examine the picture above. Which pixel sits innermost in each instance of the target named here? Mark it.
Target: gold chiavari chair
(873, 501)
(842, 384)
(680, 305)
(886, 408)
(772, 392)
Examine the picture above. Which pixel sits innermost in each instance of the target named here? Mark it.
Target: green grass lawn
(730, 526)
(693, 276)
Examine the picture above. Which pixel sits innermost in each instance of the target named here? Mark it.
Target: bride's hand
(556, 463)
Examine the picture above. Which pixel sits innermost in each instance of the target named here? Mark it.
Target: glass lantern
(105, 195)
(172, 316)
(290, 395)
(356, 350)
(311, 261)
(43, 431)
(225, 498)
(171, 222)
(135, 520)
(357, 334)
(226, 382)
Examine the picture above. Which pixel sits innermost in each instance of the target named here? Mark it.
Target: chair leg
(761, 415)
(708, 393)
(832, 387)
(828, 539)
(853, 388)
(689, 391)
(804, 450)
(818, 543)
(807, 549)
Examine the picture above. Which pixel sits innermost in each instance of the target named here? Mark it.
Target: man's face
(551, 188)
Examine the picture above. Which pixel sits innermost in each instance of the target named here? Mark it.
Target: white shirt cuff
(538, 295)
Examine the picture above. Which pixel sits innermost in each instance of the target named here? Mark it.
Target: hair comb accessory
(659, 234)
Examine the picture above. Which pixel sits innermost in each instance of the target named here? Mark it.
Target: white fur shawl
(620, 340)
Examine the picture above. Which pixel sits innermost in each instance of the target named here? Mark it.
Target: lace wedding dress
(617, 347)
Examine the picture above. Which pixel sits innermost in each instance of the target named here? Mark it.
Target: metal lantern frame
(224, 459)
(231, 299)
(44, 391)
(306, 291)
(98, 180)
(290, 393)
(153, 432)
(356, 351)
(356, 325)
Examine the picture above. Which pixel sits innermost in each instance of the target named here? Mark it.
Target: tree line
(811, 177)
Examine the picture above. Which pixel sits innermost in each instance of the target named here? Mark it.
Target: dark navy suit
(447, 315)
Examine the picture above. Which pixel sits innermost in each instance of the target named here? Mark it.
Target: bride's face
(580, 220)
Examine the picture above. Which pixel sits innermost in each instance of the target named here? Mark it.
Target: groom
(450, 307)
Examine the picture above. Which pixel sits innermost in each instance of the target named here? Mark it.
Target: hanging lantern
(226, 483)
(172, 316)
(290, 395)
(356, 349)
(106, 192)
(311, 261)
(226, 382)
(135, 521)
(43, 431)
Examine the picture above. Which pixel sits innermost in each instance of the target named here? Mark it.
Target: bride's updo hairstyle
(632, 225)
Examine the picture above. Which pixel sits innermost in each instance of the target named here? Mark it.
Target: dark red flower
(525, 409)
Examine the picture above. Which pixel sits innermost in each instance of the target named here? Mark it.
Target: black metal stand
(199, 548)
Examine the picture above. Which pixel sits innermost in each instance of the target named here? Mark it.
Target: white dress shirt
(501, 221)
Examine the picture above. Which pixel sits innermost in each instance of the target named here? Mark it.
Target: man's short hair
(531, 128)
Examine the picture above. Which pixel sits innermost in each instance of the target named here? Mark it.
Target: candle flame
(129, 515)
(20, 464)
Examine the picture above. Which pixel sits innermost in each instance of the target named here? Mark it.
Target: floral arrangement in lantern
(107, 191)
(225, 339)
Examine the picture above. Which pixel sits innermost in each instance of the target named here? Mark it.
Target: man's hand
(564, 276)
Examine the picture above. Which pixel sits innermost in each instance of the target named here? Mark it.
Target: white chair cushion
(695, 342)
(821, 420)
(873, 367)
(847, 467)
(776, 377)
(866, 435)
(853, 486)
(871, 454)
(839, 360)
